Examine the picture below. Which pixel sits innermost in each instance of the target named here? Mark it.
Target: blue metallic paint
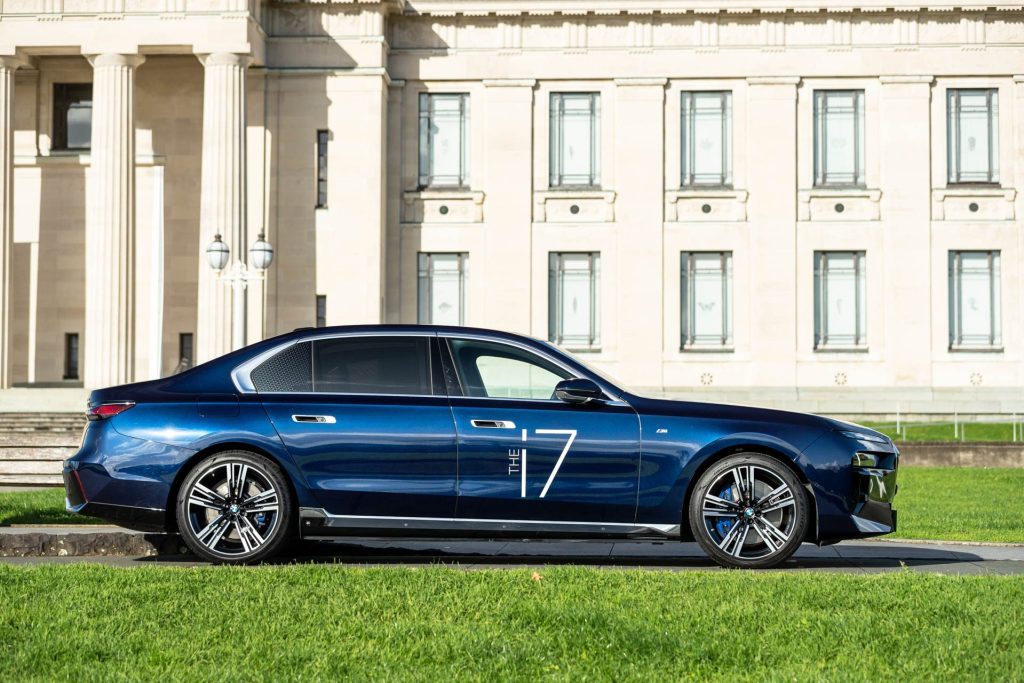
(634, 460)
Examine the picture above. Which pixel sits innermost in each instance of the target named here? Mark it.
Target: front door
(370, 434)
(526, 456)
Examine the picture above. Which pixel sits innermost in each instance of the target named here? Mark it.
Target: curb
(35, 542)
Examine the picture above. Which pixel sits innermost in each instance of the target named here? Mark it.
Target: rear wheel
(749, 510)
(235, 508)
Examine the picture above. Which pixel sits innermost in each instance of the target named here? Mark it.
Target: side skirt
(316, 522)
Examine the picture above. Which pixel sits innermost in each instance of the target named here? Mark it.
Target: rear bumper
(128, 516)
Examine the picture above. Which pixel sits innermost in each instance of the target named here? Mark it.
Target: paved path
(855, 557)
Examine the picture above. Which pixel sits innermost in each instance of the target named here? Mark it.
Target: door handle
(322, 419)
(493, 424)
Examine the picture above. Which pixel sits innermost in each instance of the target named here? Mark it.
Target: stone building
(784, 201)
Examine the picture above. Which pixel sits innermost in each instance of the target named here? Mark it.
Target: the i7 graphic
(449, 431)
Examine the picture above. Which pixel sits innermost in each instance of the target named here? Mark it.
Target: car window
(494, 370)
(288, 371)
(372, 365)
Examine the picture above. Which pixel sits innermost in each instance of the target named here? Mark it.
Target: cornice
(574, 8)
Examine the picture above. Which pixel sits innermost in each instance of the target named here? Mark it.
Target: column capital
(239, 59)
(12, 62)
(107, 59)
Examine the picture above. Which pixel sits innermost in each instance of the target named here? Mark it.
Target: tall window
(574, 318)
(442, 289)
(574, 145)
(972, 146)
(838, 137)
(974, 301)
(321, 168)
(185, 350)
(706, 299)
(71, 355)
(321, 310)
(840, 300)
(444, 140)
(706, 139)
(72, 116)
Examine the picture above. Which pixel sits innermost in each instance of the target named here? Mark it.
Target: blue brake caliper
(723, 524)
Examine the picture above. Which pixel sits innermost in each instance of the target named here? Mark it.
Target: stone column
(7, 68)
(110, 224)
(223, 200)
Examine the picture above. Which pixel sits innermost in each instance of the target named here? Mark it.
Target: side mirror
(578, 390)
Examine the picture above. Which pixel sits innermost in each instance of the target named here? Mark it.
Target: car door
(371, 430)
(526, 456)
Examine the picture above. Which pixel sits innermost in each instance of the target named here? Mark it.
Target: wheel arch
(719, 454)
(170, 513)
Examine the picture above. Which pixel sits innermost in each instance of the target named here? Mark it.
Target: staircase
(34, 445)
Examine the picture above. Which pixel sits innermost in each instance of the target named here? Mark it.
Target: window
(573, 306)
(974, 301)
(372, 365)
(72, 116)
(706, 298)
(289, 371)
(493, 370)
(321, 169)
(442, 289)
(972, 147)
(185, 354)
(840, 300)
(321, 310)
(839, 137)
(71, 355)
(574, 132)
(444, 146)
(706, 139)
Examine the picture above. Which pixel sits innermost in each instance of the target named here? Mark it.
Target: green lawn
(925, 431)
(42, 506)
(93, 623)
(942, 503)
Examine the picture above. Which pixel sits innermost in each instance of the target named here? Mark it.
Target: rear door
(371, 429)
(524, 455)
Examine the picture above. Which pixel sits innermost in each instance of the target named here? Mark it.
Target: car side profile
(450, 431)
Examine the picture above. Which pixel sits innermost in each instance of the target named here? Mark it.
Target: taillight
(104, 410)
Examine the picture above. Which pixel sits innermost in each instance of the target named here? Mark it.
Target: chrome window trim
(471, 524)
(613, 395)
(240, 376)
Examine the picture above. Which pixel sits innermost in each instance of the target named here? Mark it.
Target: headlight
(866, 437)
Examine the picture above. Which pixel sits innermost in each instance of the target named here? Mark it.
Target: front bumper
(873, 513)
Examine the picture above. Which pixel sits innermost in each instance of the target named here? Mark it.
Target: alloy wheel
(749, 512)
(233, 509)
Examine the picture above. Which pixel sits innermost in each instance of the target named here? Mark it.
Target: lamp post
(239, 275)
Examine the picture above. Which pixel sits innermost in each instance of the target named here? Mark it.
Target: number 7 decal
(571, 433)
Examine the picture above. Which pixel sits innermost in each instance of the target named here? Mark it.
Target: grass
(930, 431)
(38, 506)
(941, 503)
(94, 623)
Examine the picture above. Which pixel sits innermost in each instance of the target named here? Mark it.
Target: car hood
(727, 411)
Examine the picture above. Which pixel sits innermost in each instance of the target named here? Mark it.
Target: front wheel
(749, 510)
(235, 508)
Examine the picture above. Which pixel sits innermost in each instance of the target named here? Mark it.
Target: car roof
(405, 329)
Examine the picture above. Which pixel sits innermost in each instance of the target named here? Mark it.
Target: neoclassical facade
(800, 194)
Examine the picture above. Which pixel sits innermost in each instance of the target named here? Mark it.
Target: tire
(232, 524)
(728, 520)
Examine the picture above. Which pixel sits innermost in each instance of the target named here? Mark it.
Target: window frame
(320, 311)
(821, 271)
(687, 272)
(955, 294)
(953, 129)
(426, 116)
(59, 115)
(450, 358)
(820, 138)
(421, 275)
(182, 336)
(556, 138)
(555, 287)
(687, 146)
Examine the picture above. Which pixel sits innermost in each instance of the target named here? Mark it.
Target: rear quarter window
(290, 370)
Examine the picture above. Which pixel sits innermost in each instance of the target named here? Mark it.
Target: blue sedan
(449, 431)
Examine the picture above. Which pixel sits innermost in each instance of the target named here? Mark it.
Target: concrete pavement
(854, 556)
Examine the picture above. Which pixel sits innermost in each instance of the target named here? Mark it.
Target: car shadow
(631, 554)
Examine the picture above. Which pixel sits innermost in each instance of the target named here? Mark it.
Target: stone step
(42, 453)
(31, 480)
(35, 439)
